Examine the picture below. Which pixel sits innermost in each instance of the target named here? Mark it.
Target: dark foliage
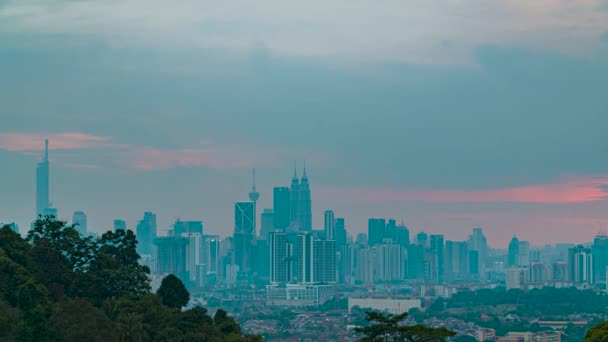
(387, 327)
(173, 292)
(56, 285)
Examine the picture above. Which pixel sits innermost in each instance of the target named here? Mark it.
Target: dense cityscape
(285, 280)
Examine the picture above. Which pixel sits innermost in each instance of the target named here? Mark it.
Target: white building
(393, 306)
(516, 277)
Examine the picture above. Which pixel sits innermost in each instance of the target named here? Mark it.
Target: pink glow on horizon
(21, 142)
(576, 190)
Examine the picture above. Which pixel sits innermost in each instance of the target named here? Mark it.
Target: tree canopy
(388, 327)
(57, 285)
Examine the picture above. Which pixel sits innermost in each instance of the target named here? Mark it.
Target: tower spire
(253, 179)
(254, 195)
(295, 170)
(46, 150)
(304, 175)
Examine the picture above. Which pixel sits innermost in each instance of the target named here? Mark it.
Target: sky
(445, 115)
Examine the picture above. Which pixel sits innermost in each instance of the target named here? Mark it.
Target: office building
(330, 225)
(581, 265)
(317, 260)
(376, 231)
(477, 242)
(146, 233)
(600, 257)
(341, 235)
(79, 220)
(513, 252)
(537, 273)
(389, 262)
(42, 183)
(281, 202)
(422, 239)
(438, 262)
(243, 235)
(266, 223)
(120, 225)
(171, 256)
(516, 277)
(281, 258)
(254, 196)
(560, 271)
(366, 263)
(180, 227)
(301, 204)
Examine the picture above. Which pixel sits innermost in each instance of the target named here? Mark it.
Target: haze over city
(497, 122)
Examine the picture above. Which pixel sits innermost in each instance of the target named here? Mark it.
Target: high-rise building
(456, 260)
(415, 262)
(347, 263)
(301, 206)
(600, 257)
(516, 277)
(281, 258)
(243, 234)
(254, 196)
(267, 223)
(389, 265)
(180, 227)
(478, 242)
(281, 202)
(146, 233)
(581, 265)
(524, 253)
(474, 263)
(513, 253)
(317, 260)
(402, 236)
(120, 225)
(537, 273)
(330, 225)
(422, 239)
(42, 183)
(376, 231)
(560, 271)
(341, 234)
(79, 220)
(171, 256)
(261, 258)
(438, 262)
(365, 266)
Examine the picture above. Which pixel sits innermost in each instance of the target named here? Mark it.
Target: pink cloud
(576, 190)
(58, 141)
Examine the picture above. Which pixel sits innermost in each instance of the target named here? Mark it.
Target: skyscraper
(281, 202)
(330, 225)
(375, 231)
(477, 242)
(120, 225)
(171, 256)
(513, 253)
(79, 219)
(317, 260)
(267, 223)
(254, 196)
(243, 234)
(580, 262)
(281, 256)
(437, 249)
(305, 207)
(301, 205)
(340, 233)
(146, 233)
(42, 182)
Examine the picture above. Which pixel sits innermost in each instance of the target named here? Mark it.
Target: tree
(387, 327)
(173, 292)
(598, 333)
(77, 320)
(465, 338)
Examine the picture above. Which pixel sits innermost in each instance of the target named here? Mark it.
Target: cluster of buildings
(296, 264)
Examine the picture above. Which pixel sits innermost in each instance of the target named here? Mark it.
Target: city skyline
(425, 115)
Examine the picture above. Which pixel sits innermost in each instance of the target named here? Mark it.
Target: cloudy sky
(445, 114)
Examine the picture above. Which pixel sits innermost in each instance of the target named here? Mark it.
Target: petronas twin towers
(301, 211)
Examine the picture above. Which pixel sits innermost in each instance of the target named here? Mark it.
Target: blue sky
(448, 115)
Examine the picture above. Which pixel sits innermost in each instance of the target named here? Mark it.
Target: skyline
(447, 115)
(253, 197)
